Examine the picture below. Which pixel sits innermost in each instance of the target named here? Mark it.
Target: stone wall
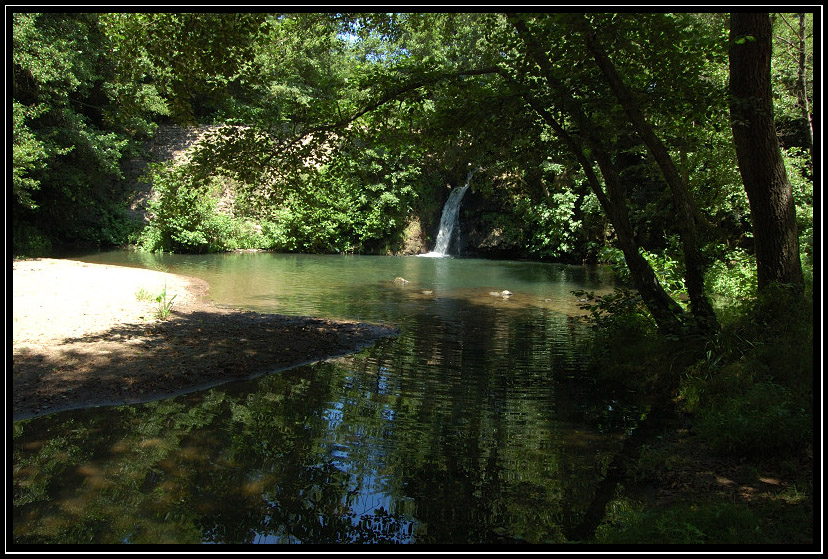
(169, 142)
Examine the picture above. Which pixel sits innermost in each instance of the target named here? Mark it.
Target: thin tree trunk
(802, 92)
(757, 149)
(682, 199)
(665, 311)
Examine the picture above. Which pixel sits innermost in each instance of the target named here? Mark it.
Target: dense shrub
(29, 241)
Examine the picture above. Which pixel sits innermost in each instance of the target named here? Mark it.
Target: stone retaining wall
(169, 142)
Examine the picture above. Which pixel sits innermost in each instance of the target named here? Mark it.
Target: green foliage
(764, 421)
(143, 295)
(181, 211)
(651, 464)
(375, 187)
(668, 270)
(785, 70)
(65, 158)
(164, 303)
(731, 279)
(29, 241)
(175, 64)
(28, 156)
(345, 125)
(550, 225)
(355, 198)
(605, 310)
(625, 348)
(185, 216)
(802, 184)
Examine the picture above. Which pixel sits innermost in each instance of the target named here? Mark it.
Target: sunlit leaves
(28, 156)
(65, 155)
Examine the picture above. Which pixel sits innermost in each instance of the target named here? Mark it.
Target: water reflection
(474, 426)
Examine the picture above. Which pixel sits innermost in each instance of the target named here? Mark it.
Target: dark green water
(475, 425)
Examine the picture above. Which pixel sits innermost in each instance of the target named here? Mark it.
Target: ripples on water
(475, 425)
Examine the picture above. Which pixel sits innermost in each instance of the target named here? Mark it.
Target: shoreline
(81, 338)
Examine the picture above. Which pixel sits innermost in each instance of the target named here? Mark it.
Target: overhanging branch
(383, 99)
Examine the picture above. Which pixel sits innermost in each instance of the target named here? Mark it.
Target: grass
(685, 523)
(766, 517)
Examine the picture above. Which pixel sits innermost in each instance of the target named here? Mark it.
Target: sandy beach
(82, 337)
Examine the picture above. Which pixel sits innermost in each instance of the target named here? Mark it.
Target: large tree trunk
(757, 149)
(682, 199)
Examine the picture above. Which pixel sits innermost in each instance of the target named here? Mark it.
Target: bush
(731, 280)
(802, 184)
(28, 241)
(625, 347)
(668, 271)
(185, 216)
(179, 209)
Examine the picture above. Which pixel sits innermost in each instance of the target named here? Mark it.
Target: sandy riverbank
(81, 337)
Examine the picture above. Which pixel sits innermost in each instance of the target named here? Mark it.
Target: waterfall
(449, 219)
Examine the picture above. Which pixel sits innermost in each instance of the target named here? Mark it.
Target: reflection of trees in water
(220, 468)
(493, 461)
(451, 433)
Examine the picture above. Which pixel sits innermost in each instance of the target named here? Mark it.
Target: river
(477, 425)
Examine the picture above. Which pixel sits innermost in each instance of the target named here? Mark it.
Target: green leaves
(28, 157)
(164, 304)
(65, 151)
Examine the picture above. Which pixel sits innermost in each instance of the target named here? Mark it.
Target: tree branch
(788, 24)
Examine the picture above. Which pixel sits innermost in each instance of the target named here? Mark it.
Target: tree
(667, 314)
(178, 64)
(65, 158)
(760, 162)
(792, 70)
(684, 204)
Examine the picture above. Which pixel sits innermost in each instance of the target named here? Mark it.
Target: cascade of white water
(448, 221)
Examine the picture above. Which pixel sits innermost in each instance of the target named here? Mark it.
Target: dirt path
(81, 337)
